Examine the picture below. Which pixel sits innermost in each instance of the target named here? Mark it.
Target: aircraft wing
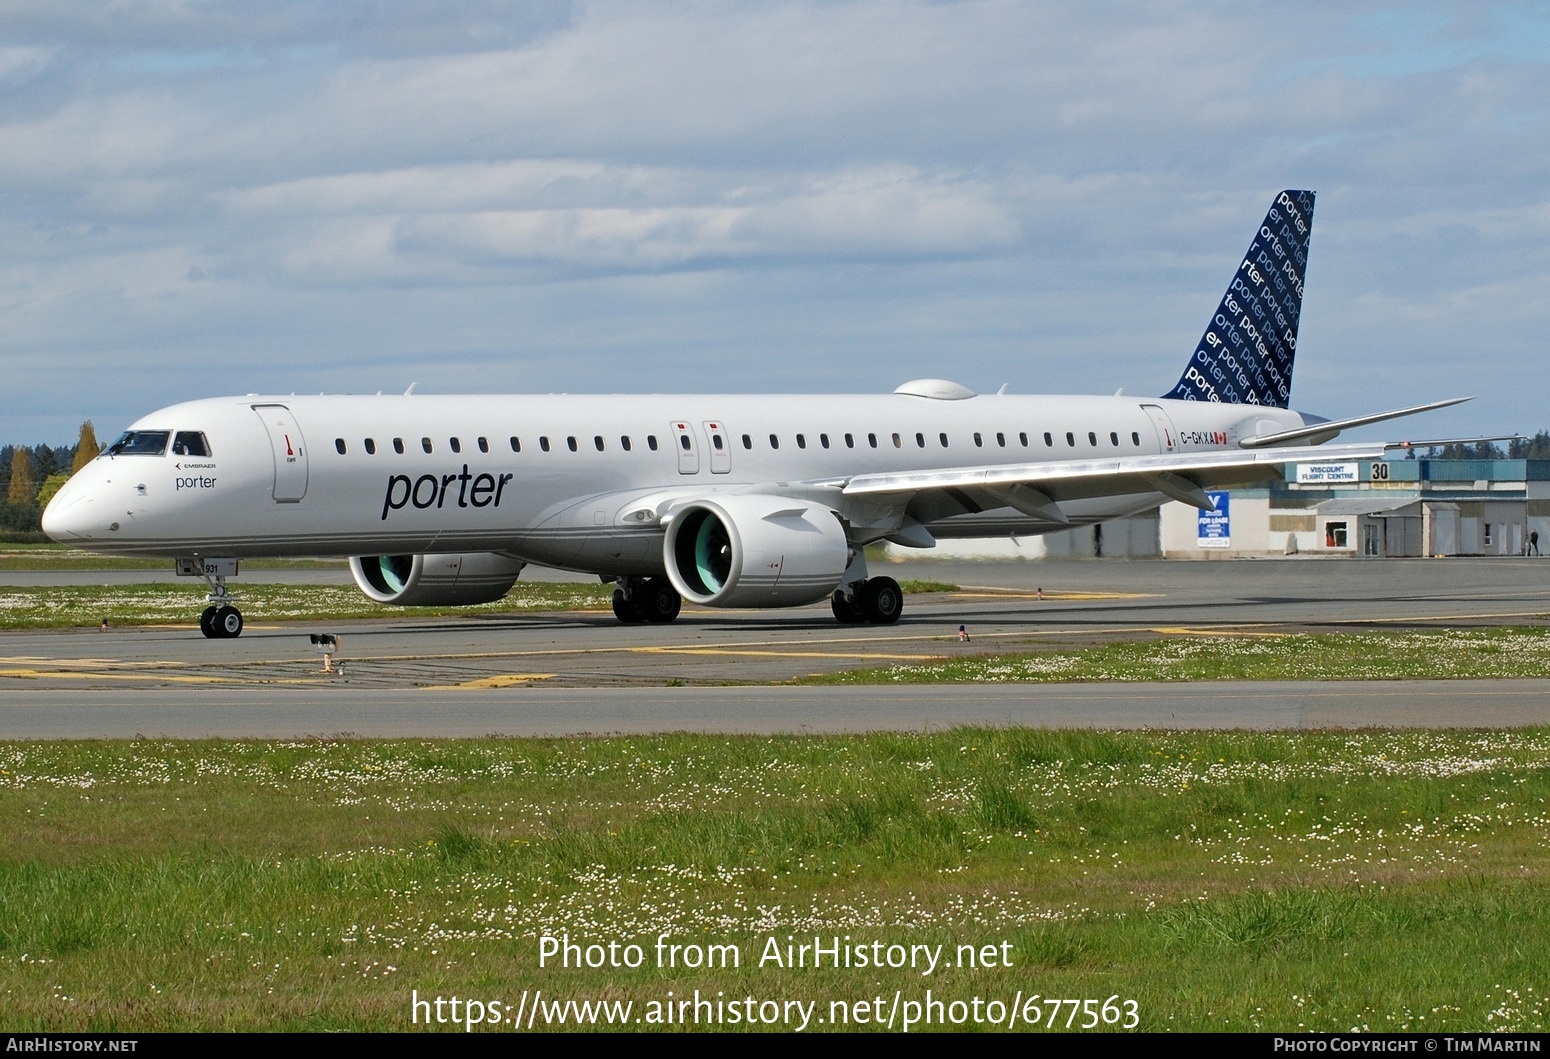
(1041, 486)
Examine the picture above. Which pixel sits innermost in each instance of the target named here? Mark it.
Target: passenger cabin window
(457, 446)
(1023, 437)
(1001, 439)
(1092, 438)
(774, 442)
(398, 446)
(823, 439)
(425, 443)
(597, 442)
(898, 442)
(872, 440)
(684, 442)
(624, 442)
(920, 440)
(516, 445)
(484, 444)
(371, 447)
(1135, 438)
(943, 438)
(1114, 437)
(339, 446)
(801, 441)
(747, 442)
(651, 442)
(979, 442)
(1070, 439)
(193, 443)
(570, 442)
(543, 442)
(1049, 439)
(140, 443)
(850, 441)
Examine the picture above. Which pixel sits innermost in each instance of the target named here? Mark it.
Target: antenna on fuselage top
(409, 391)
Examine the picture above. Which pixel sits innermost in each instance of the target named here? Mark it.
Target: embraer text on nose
(428, 490)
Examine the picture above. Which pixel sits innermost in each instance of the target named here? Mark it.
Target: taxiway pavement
(563, 673)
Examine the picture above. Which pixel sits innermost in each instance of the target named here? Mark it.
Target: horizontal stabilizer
(1330, 427)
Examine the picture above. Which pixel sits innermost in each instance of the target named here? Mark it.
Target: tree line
(30, 476)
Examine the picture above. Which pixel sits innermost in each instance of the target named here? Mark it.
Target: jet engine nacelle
(755, 551)
(436, 580)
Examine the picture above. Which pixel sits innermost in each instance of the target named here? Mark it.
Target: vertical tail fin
(1246, 354)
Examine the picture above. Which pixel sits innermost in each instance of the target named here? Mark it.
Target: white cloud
(883, 185)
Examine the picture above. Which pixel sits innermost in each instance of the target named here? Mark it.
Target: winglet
(1246, 353)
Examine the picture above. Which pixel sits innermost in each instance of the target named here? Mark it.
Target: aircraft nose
(68, 517)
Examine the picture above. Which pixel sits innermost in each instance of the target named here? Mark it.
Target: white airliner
(727, 501)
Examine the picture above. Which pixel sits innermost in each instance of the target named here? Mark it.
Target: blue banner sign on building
(1215, 526)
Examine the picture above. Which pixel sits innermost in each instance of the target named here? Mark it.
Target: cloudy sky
(200, 197)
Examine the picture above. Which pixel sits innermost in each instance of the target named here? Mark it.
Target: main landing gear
(652, 599)
(878, 600)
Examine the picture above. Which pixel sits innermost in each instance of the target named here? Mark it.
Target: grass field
(1442, 654)
(1219, 881)
(70, 606)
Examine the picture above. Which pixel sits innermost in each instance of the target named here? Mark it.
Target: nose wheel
(220, 623)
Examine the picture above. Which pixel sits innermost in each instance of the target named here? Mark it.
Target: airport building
(1342, 509)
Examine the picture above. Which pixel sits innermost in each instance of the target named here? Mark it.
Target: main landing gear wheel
(629, 611)
(661, 600)
(221, 623)
(882, 600)
(848, 611)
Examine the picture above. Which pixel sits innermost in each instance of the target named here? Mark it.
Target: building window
(1334, 534)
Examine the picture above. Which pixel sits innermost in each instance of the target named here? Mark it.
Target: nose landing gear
(221, 620)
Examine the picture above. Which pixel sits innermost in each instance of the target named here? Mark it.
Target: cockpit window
(140, 443)
(190, 443)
